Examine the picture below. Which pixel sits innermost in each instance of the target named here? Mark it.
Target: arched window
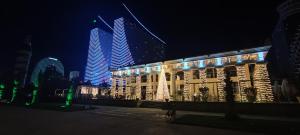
(168, 76)
(156, 77)
(144, 78)
(196, 74)
(231, 71)
(180, 75)
(211, 73)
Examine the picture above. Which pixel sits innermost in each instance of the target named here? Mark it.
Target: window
(144, 78)
(231, 71)
(151, 78)
(180, 75)
(168, 76)
(211, 73)
(156, 77)
(133, 80)
(196, 74)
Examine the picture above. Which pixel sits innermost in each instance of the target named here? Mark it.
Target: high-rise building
(132, 44)
(99, 57)
(40, 68)
(23, 57)
(121, 55)
(286, 40)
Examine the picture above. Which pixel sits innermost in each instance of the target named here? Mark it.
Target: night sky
(61, 28)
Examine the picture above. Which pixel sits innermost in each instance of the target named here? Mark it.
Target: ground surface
(102, 120)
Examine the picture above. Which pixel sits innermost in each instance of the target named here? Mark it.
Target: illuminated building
(42, 65)
(286, 41)
(99, 57)
(133, 43)
(185, 76)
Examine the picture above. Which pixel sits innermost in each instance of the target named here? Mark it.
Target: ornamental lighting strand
(241, 75)
(186, 88)
(221, 83)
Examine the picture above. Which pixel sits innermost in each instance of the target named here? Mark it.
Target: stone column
(149, 90)
(138, 87)
(186, 90)
(173, 85)
(203, 80)
(262, 83)
(221, 83)
(242, 79)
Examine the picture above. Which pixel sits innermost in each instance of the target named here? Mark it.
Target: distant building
(73, 75)
(50, 64)
(184, 77)
(23, 56)
(286, 41)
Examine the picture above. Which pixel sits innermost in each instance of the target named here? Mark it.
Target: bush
(204, 93)
(251, 93)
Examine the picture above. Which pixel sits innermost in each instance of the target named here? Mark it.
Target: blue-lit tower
(97, 68)
(121, 55)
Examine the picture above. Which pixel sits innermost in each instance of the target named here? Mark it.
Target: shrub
(251, 93)
(204, 93)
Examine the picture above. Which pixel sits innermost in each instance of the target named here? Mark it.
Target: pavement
(102, 120)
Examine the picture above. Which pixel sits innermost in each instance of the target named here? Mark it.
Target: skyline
(64, 32)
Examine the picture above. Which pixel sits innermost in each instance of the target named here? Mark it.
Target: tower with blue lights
(98, 62)
(121, 55)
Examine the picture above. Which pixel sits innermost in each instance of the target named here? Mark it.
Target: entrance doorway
(143, 93)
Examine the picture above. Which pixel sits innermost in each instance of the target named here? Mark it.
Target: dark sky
(190, 28)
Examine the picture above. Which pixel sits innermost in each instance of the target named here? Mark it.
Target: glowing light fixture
(201, 64)
(260, 56)
(239, 59)
(185, 66)
(218, 62)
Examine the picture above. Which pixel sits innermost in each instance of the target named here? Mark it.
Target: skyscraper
(121, 55)
(286, 40)
(132, 44)
(98, 62)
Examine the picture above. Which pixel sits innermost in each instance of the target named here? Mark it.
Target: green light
(2, 86)
(1, 90)
(14, 94)
(34, 95)
(16, 82)
(69, 96)
(94, 21)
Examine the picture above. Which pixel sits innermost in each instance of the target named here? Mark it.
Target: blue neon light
(239, 59)
(260, 56)
(147, 69)
(218, 61)
(201, 64)
(158, 68)
(121, 55)
(97, 70)
(185, 65)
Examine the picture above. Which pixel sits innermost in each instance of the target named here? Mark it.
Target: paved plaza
(102, 120)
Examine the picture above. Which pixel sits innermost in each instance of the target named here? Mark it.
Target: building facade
(184, 77)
